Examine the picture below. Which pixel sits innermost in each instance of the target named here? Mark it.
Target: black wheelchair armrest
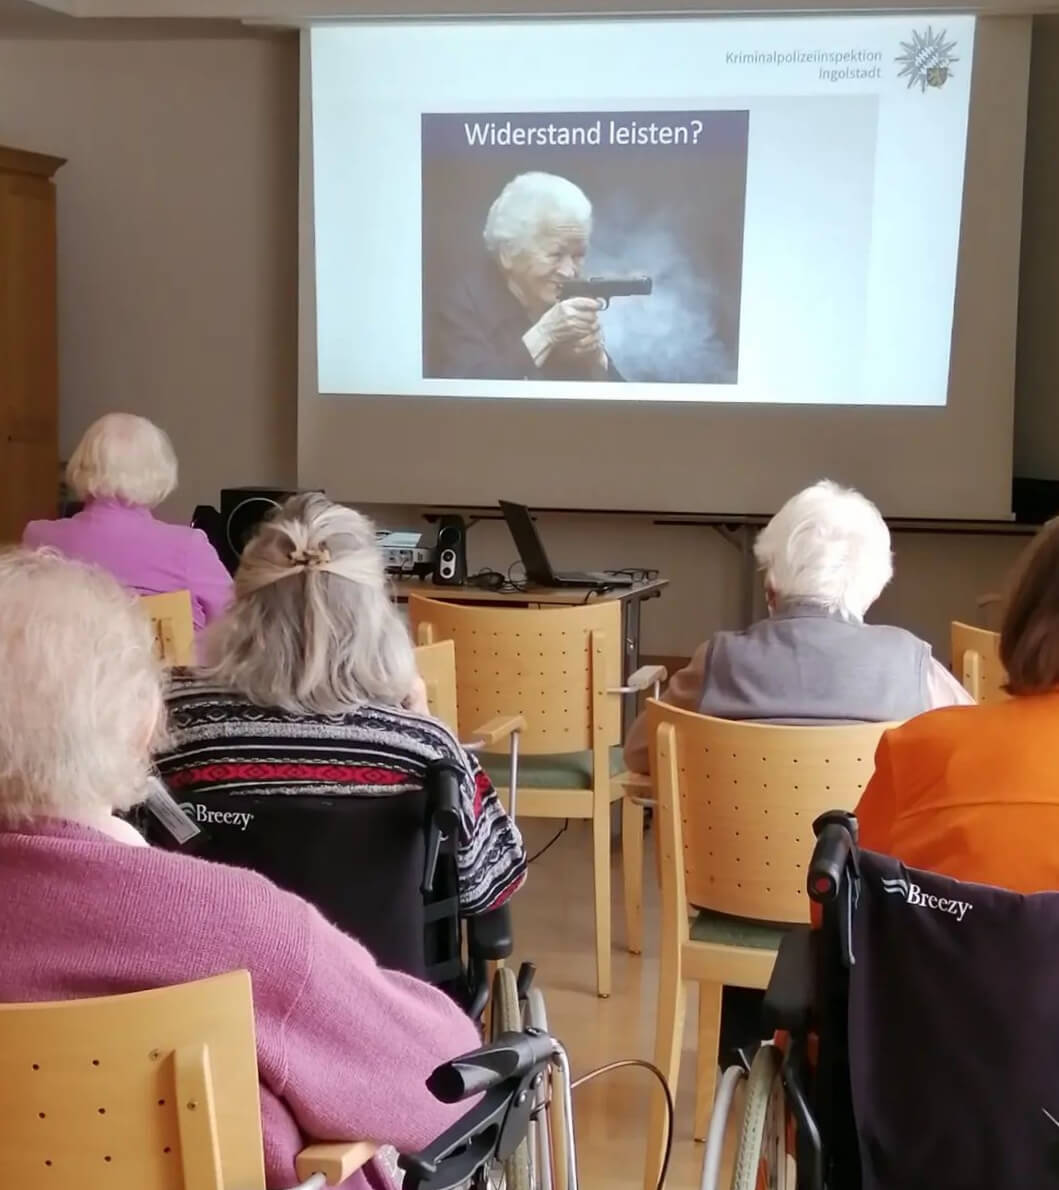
(489, 934)
(789, 998)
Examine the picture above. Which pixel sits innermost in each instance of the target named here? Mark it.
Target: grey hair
(123, 457)
(80, 693)
(528, 200)
(827, 545)
(312, 628)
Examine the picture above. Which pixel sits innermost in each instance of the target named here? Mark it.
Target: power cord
(550, 844)
(670, 1109)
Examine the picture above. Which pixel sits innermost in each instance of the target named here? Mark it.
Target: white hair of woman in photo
(537, 231)
(312, 629)
(827, 545)
(80, 699)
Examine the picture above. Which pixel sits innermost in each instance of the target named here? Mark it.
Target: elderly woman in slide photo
(826, 558)
(504, 320)
(343, 1047)
(123, 467)
(313, 652)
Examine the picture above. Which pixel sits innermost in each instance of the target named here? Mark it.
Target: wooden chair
(155, 1090)
(437, 667)
(976, 662)
(559, 668)
(174, 630)
(736, 803)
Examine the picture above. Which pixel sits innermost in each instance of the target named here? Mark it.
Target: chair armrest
(789, 997)
(637, 787)
(489, 934)
(642, 679)
(336, 1161)
(497, 729)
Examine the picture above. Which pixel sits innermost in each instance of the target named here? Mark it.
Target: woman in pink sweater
(343, 1047)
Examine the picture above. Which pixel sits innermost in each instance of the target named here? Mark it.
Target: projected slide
(759, 210)
(623, 190)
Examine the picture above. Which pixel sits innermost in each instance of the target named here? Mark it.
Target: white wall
(177, 215)
(178, 289)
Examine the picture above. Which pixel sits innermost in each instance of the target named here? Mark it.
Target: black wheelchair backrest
(359, 860)
(953, 1032)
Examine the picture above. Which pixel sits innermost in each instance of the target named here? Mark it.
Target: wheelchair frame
(806, 996)
(523, 1120)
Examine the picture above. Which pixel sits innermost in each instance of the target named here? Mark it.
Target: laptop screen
(527, 542)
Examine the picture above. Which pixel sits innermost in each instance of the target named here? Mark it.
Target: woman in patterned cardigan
(312, 688)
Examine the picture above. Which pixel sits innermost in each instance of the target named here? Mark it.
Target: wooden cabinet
(29, 348)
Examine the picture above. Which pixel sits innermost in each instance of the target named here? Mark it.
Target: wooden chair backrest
(155, 1090)
(976, 662)
(553, 665)
(437, 667)
(748, 794)
(174, 630)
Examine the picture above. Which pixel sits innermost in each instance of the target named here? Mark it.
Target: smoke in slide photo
(672, 335)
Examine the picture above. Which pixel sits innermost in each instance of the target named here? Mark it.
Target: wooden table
(631, 599)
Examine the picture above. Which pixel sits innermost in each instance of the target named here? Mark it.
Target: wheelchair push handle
(836, 838)
(512, 1056)
(443, 790)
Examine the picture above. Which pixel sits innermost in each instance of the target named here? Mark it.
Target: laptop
(535, 560)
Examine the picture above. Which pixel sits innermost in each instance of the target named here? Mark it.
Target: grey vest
(805, 664)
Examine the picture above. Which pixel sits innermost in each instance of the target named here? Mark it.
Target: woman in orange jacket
(973, 792)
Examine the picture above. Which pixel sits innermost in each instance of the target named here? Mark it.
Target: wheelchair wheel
(761, 1162)
(506, 1017)
(547, 1153)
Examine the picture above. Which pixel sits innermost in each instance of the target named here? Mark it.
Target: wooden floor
(554, 929)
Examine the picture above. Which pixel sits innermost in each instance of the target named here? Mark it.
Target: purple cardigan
(343, 1047)
(146, 555)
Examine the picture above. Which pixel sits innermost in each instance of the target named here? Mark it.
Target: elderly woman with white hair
(343, 1047)
(504, 320)
(123, 467)
(826, 559)
(312, 650)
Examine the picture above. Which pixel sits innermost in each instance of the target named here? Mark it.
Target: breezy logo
(913, 894)
(200, 813)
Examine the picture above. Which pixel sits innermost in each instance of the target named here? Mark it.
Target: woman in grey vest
(826, 558)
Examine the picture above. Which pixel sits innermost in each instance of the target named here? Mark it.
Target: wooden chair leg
(632, 871)
(601, 882)
(669, 1042)
(706, 1055)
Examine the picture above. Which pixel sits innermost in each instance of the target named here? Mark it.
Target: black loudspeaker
(450, 555)
(1034, 501)
(242, 510)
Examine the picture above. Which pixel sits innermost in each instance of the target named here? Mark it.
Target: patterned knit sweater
(220, 741)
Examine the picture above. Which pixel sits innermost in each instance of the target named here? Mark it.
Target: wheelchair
(383, 869)
(912, 1037)
(519, 1134)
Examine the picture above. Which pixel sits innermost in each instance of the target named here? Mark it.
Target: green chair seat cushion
(726, 930)
(566, 770)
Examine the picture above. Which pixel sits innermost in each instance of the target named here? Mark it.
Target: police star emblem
(927, 59)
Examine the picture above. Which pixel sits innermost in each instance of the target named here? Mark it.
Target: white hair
(123, 457)
(527, 201)
(312, 629)
(80, 692)
(827, 545)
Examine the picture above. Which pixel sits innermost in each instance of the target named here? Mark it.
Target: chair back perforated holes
(89, 1089)
(748, 796)
(533, 662)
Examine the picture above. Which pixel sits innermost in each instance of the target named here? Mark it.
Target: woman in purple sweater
(122, 468)
(343, 1047)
